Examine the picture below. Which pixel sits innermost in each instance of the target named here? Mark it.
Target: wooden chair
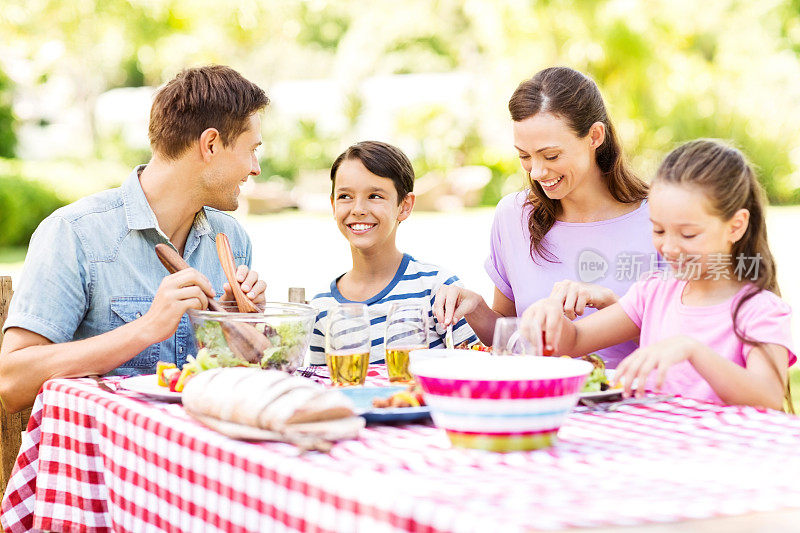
(11, 425)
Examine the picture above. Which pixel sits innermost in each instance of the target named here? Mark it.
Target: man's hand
(179, 292)
(252, 287)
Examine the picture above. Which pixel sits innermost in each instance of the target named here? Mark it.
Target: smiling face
(554, 156)
(366, 206)
(232, 165)
(685, 228)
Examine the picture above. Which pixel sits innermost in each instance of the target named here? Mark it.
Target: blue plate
(362, 398)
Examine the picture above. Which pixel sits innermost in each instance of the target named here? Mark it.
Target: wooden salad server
(229, 267)
(243, 339)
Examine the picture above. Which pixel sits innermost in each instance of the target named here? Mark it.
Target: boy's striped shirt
(414, 283)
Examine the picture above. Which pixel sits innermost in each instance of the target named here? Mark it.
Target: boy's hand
(253, 287)
(658, 357)
(576, 296)
(545, 316)
(179, 292)
(452, 303)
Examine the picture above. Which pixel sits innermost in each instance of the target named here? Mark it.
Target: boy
(371, 193)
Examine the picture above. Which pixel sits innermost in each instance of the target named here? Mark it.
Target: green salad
(287, 340)
(597, 380)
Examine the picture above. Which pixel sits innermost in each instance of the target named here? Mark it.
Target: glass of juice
(406, 330)
(347, 344)
(509, 340)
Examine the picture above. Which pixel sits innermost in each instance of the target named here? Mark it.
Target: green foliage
(303, 147)
(8, 137)
(23, 205)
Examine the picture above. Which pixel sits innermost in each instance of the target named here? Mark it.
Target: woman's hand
(252, 287)
(576, 296)
(452, 303)
(658, 357)
(544, 320)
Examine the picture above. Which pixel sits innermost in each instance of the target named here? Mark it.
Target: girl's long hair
(729, 184)
(574, 97)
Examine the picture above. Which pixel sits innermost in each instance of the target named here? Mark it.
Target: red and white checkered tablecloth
(97, 461)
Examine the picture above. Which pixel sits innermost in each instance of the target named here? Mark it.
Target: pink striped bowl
(500, 404)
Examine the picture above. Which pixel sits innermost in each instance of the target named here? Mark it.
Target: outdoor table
(94, 460)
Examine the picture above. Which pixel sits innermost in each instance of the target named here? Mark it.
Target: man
(93, 297)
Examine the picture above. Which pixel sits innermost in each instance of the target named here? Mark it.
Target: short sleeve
(633, 301)
(768, 320)
(494, 265)
(52, 294)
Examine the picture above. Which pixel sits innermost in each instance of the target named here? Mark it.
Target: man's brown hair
(200, 98)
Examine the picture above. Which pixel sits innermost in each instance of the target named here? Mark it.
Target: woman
(580, 233)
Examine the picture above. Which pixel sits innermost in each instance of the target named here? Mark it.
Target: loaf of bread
(257, 404)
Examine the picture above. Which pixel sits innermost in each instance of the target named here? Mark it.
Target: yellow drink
(347, 369)
(397, 363)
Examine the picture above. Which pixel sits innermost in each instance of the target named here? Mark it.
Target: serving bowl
(500, 403)
(287, 326)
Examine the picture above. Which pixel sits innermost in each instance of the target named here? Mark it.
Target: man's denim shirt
(91, 267)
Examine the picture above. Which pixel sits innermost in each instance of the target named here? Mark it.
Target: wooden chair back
(11, 425)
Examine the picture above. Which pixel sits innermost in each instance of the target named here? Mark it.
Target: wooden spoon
(243, 339)
(229, 267)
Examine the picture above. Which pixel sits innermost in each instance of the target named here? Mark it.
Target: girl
(583, 207)
(712, 328)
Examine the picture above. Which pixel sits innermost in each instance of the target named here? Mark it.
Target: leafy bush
(8, 137)
(23, 205)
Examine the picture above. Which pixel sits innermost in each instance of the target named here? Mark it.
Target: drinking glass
(509, 340)
(347, 344)
(406, 330)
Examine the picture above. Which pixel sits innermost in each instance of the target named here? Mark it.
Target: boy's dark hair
(382, 159)
(199, 98)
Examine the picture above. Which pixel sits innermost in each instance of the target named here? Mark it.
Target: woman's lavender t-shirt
(654, 304)
(613, 253)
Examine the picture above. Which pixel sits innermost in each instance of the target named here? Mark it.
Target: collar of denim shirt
(140, 215)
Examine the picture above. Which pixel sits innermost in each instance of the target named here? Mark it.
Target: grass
(794, 383)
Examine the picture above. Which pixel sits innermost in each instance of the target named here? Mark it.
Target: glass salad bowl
(286, 330)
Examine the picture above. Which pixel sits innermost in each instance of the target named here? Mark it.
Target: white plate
(148, 385)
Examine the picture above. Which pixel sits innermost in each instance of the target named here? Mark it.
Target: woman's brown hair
(729, 184)
(574, 97)
(199, 98)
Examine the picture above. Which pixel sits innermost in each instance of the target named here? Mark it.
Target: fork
(307, 372)
(613, 406)
(102, 384)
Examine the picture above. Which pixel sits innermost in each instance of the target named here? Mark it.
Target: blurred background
(433, 77)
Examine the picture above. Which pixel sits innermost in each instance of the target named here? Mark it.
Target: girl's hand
(576, 296)
(658, 357)
(253, 287)
(545, 320)
(452, 303)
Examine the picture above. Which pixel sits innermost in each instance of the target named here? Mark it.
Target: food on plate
(411, 397)
(170, 376)
(291, 408)
(162, 367)
(479, 346)
(597, 380)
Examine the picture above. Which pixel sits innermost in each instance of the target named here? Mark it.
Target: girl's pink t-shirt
(654, 304)
(613, 253)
